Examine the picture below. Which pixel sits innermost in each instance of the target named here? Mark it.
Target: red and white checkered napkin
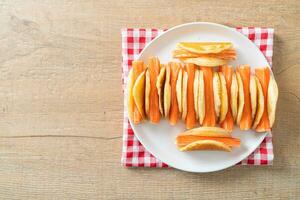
(133, 41)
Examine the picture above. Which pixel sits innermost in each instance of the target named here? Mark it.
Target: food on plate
(263, 75)
(205, 47)
(179, 89)
(174, 109)
(246, 119)
(253, 95)
(224, 97)
(147, 92)
(139, 94)
(201, 98)
(206, 138)
(228, 121)
(167, 92)
(130, 100)
(154, 69)
(212, 145)
(184, 94)
(228, 54)
(234, 92)
(205, 61)
(191, 115)
(207, 54)
(260, 104)
(160, 83)
(217, 93)
(210, 117)
(133, 110)
(272, 99)
(196, 92)
(241, 101)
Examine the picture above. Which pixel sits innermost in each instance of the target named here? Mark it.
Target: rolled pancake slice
(160, 83)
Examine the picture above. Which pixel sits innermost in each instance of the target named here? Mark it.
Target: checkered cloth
(133, 41)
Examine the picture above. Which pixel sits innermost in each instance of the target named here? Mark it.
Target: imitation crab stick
(228, 122)
(185, 140)
(154, 68)
(263, 75)
(138, 68)
(210, 116)
(174, 110)
(191, 114)
(246, 120)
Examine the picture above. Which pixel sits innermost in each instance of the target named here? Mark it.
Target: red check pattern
(133, 42)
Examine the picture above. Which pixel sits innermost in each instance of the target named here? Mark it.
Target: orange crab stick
(246, 120)
(210, 116)
(174, 111)
(228, 122)
(154, 68)
(191, 114)
(263, 75)
(138, 68)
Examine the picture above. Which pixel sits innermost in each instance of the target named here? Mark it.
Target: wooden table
(61, 104)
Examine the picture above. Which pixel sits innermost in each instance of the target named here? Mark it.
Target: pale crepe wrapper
(234, 96)
(207, 131)
(147, 92)
(241, 98)
(179, 90)
(184, 95)
(139, 93)
(272, 99)
(206, 61)
(196, 91)
(130, 99)
(253, 95)
(260, 104)
(160, 82)
(204, 47)
(167, 92)
(217, 93)
(201, 98)
(224, 97)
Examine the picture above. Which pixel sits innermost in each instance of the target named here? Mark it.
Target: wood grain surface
(61, 104)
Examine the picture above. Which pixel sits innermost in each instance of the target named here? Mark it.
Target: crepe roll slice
(147, 92)
(211, 145)
(179, 89)
(186, 139)
(234, 93)
(196, 92)
(260, 104)
(174, 109)
(139, 94)
(272, 99)
(253, 95)
(130, 100)
(160, 84)
(191, 114)
(228, 122)
(224, 97)
(184, 95)
(263, 75)
(246, 119)
(201, 98)
(137, 68)
(241, 98)
(154, 69)
(210, 117)
(167, 92)
(217, 93)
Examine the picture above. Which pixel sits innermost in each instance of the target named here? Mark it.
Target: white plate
(159, 139)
